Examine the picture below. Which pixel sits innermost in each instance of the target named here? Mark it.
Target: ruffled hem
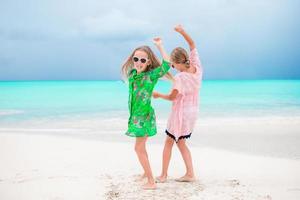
(131, 134)
(181, 137)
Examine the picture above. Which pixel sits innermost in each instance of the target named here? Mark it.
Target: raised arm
(165, 65)
(158, 43)
(186, 36)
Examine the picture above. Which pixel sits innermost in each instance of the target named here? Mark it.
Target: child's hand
(157, 41)
(179, 28)
(155, 95)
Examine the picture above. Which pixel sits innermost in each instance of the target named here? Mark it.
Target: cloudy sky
(90, 39)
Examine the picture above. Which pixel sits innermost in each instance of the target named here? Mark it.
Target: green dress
(142, 116)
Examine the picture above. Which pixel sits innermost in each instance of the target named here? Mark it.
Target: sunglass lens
(135, 59)
(143, 60)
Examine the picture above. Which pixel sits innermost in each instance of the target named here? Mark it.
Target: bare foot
(186, 178)
(149, 186)
(161, 179)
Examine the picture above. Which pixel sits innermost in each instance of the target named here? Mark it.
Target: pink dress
(186, 105)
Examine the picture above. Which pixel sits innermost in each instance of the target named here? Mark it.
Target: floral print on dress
(142, 120)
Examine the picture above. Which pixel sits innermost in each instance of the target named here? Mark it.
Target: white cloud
(114, 24)
(84, 33)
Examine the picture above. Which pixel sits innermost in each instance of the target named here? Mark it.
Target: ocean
(254, 116)
(41, 100)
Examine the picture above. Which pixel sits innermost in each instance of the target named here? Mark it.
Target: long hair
(154, 62)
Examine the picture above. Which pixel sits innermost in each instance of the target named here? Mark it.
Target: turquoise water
(21, 101)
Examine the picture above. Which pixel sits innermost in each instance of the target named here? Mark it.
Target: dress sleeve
(160, 71)
(177, 85)
(195, 60)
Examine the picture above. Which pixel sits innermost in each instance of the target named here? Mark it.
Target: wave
(10, 112)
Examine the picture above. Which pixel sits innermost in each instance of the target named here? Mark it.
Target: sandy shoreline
(50, 167)
(276, 137)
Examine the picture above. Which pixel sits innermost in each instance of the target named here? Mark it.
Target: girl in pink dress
(184, 95)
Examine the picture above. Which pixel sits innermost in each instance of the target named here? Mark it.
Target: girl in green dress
(143, 69)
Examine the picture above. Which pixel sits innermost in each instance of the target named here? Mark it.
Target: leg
(142, 176)
(187, 157)
(140, 148)
(167, 152)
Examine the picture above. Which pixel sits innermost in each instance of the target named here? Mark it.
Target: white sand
(35, 167)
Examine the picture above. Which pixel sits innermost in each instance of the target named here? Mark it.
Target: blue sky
(90, 39)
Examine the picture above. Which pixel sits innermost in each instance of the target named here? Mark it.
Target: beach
(64, 166)
(76, 148)
(76, 76)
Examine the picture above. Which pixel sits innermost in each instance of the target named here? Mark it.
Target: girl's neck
(191, 70)
(185, 70)
(138, 72)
